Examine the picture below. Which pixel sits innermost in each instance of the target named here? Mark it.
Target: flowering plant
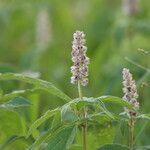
(77, 115)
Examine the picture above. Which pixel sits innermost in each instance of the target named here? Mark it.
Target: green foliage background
(111, 37)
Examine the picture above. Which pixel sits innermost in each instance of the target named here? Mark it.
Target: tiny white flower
(130, 91)
(79, 69)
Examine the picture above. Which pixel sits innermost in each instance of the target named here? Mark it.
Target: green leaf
(143, 148)
(144, 116)
(10, 140)
(115, 100)
(42, 138)
(50, 134)
(15, 94)
(67, 114)
(1, 93)
(113, 147)
(40, 84)
(15, 103)
(42, 119)
(10, 124)
(76, 147)
(63, 139)
(104, 99)
(140, 131)
(100, 102)
(100, 118)
(56, 120)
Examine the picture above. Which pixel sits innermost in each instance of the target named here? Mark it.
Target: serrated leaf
(42, 119)
(40, 84)
(113, 147)
(63, 139)
(15, 103)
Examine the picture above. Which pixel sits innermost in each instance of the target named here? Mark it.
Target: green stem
(131, 132)
(80, 91)
(84, 125)
(129, 140)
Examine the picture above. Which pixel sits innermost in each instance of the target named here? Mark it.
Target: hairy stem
(84, 125)
(131, 132)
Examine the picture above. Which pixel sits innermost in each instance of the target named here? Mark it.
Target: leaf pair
(65, 117)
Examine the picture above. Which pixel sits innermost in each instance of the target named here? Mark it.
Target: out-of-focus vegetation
(35, 38)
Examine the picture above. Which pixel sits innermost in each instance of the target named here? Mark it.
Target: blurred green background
(36, 36)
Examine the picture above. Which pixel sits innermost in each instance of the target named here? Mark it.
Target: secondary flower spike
(79, 69)
(130, 90)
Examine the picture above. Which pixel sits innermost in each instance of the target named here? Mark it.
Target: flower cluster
(79, 69)
(130, 91)
(130, 7)
(43, 30)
